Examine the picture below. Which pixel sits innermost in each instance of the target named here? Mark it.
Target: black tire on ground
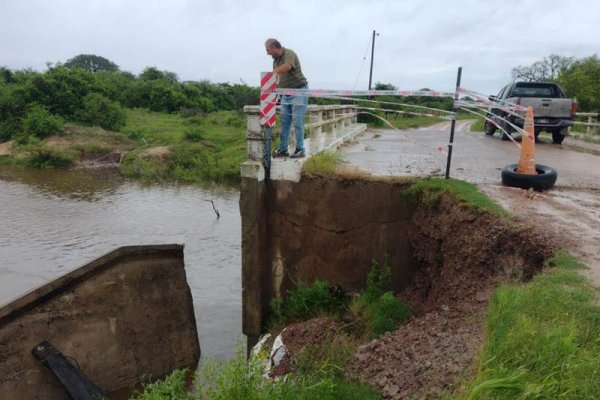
(489, 128)
(504, 136)
(545, 178)
(559, 135)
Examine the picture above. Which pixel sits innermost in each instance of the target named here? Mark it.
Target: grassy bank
(195, 149)
(157, 147)
(543, 339)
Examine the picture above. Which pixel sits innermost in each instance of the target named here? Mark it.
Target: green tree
(99, 110)
(547, 69)
(154, 74)
(384, 86)
(582, 81)
(91, 63)
(39, 122)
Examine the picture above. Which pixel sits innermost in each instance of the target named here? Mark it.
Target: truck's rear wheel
(559, 135)
(509, 130)
(489, 128)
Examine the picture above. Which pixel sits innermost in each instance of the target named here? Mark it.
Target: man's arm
(283, 68)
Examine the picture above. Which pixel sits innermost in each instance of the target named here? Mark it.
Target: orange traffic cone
(527, 159)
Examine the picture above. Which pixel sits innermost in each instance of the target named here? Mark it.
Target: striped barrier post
(267, 114)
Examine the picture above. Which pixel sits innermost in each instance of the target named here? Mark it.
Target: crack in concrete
(337, 231)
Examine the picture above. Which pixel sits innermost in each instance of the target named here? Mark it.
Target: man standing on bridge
(286, 66)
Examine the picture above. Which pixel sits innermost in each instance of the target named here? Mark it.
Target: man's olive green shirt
(294, 77)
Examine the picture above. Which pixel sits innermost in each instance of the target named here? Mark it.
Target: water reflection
(55, 221)
(78, 184)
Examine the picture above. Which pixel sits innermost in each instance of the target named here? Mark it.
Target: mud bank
(446, 258)
(462, 255)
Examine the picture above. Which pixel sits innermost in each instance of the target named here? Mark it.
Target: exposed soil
(5, 148)
(463, 256)
(297, 336)
(158, 153)
(572, 214)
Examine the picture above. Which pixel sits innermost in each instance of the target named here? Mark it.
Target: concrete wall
(319, 228)
(122, 317)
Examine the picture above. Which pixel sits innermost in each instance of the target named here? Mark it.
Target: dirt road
(571, 209)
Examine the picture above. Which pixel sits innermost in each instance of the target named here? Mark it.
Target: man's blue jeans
(293, 109)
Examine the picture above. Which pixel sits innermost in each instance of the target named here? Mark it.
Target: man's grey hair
(273, 43)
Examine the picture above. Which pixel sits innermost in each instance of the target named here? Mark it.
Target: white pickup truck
(552, 111)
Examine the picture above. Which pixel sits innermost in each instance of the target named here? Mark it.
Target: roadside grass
(478, 125)
(430, 191)
(543, 339)
(322, 163)
(407, 122)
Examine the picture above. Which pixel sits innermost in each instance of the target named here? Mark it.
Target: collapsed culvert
(446, 257)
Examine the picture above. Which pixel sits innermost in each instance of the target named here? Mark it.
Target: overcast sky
(421, 43)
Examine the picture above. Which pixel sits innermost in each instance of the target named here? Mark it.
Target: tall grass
(543, 339)
(322, 163)
(238, 378)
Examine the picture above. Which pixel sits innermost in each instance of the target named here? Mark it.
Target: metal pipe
(453, 123)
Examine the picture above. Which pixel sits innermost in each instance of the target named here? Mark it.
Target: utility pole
(372, 53)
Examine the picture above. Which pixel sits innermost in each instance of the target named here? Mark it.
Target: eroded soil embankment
(463, 255)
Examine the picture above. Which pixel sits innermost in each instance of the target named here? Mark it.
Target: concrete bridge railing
(326, 129)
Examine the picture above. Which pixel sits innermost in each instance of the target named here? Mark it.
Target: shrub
(307, 301)
(40, 123)
(99, 110)
(194, 135)
(8, 128)
(377, 311)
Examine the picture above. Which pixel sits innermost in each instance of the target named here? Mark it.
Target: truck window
(533, 90)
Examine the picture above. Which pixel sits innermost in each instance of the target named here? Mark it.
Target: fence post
(254, 134)
(592, 130)
(315, 117)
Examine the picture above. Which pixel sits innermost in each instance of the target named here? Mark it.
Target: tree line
(93, 90)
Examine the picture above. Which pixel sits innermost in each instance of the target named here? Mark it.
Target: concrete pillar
(254, 134)
(315, 117)
(255, 276)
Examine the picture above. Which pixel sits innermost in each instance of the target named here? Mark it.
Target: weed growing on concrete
(322, 163)
(542, 339)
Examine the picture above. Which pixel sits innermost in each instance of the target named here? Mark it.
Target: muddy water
(51, 222)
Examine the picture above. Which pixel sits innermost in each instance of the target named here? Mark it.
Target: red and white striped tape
(324, 93)
(268, 99)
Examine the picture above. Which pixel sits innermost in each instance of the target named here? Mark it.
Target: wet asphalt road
(476, 157)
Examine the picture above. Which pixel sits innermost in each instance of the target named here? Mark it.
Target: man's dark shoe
(298, 154)
(279, 153)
